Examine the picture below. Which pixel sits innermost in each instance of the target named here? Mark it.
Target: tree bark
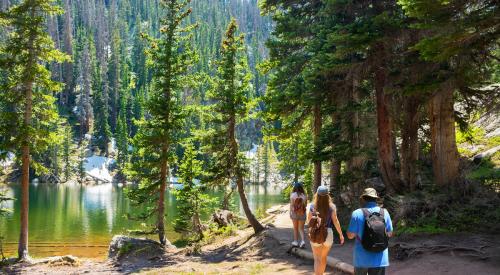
(409, 144)
(445, 158)
(161, 198)
(385, 127)
(334, 181)
(317, 124)
(22, 251)
(257, 227)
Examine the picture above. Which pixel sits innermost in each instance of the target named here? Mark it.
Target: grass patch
(181, 242)
(260, 213)
(473, 207)
(256, 269)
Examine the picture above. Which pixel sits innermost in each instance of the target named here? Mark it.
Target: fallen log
(330, 261)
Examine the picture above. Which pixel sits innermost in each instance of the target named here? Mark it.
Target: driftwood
(223, 218)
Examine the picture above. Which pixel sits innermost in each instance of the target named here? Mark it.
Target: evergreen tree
(102, 130)
(27, 90)
(170, 59)
(68, 140)
(122, 135)
(229, 92)
(460, 38)
(292, 99)
(192, 201)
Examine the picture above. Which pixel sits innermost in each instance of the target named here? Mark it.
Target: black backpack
(375, 237)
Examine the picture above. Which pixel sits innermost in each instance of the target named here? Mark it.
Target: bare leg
(324, 254)
(317, 259)
(301, 230)
(295, 230)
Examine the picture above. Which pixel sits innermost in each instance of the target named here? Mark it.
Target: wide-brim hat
(370, 192)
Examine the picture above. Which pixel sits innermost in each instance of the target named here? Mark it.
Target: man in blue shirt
(366, 262)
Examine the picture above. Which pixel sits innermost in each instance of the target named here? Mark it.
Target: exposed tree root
(404, 250)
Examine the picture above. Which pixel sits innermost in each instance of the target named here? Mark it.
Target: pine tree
(170, 59)
(229, 92)
(68, 140)
(292, 98)
(27, 90)
(122, 134)
(460, 38)
(102, 130)
(192, 201)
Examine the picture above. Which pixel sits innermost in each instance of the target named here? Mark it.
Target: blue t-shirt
(362, 257)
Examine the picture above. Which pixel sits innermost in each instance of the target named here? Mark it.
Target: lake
(81, 220)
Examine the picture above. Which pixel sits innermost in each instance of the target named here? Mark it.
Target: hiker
(372, 227)
(321, 219)
(298, 203)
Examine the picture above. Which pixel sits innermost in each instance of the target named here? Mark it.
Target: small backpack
(375, 237)
(299, 207)
(317, 229)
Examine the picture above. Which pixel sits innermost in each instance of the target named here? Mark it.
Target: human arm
(309, 215)
(388, 224)
(336, 223)
(353, 229)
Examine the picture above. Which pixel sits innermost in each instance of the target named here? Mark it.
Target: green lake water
(81, 220)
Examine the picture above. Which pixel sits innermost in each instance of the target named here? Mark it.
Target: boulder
(223, 217)
(125, 248)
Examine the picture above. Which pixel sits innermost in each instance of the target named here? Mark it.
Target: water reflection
(80, 220)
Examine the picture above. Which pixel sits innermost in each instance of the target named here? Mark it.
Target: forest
(201, 100)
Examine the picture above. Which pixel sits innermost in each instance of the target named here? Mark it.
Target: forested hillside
(107, 80)
(194, 104)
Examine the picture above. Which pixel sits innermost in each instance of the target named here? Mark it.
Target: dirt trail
(267, 253)
(457, 254)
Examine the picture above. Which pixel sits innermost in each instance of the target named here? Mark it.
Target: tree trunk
(334, 181)
(257, 227)
(386, 149)
(227, 197)
(161, 198)
(22, 250)
(25, 178)
(443, 143)
(409, 144)
(356, 165)
(317, 123)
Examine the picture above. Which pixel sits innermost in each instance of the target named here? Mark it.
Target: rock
(223, 217)
(376, 183)
(124, 248)
(477, 158)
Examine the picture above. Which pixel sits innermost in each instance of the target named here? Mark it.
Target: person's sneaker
(302, 244)
(295, 244)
